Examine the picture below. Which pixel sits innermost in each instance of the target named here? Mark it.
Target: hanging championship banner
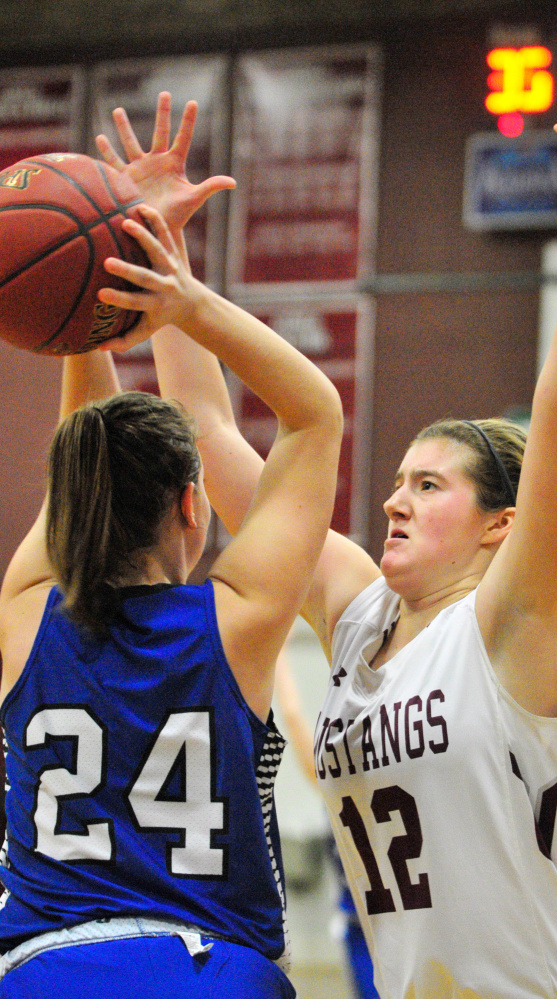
(41, 111)
(305, 157)
(337, 335)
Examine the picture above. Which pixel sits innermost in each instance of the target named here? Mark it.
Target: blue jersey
(140, 782)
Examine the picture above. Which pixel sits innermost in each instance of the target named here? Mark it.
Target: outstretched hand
(160, 174)
(167, 294)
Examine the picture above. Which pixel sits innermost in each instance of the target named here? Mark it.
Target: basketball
(61, 215)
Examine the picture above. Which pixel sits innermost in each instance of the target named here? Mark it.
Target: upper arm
(343, 571)
(264, 573)
(85, 377)
(22, 599)
(30, 565)
(232, 471)
(517, 599)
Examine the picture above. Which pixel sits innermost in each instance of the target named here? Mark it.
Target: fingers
(135, 301)
(119, 344)
(127, 135)
(161, 131)
(108, 153)
(157, 230)
(213, 184)
(183, 137)
(158, 245)
(143, 277)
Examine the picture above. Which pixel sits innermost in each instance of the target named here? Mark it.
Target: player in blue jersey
(143, 856)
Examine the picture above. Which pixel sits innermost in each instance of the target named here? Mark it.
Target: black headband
(504, 475)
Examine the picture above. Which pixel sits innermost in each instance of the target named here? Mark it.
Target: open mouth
(398, 534)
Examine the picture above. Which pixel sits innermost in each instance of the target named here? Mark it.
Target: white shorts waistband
(99, 930)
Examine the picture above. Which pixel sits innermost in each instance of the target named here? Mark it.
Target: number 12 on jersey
(379, 898)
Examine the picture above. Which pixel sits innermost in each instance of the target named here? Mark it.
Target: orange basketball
(61, 215)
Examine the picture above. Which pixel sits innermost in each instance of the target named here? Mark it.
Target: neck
(169, 560)
(148, 572)
(416, 612)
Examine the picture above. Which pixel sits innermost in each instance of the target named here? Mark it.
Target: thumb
(212, 185)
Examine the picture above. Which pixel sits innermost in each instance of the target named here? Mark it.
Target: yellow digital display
(520, 80)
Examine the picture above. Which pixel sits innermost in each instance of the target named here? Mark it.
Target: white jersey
(442, 794)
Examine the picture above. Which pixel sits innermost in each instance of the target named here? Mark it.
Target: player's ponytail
(115, 468)
(79, 516)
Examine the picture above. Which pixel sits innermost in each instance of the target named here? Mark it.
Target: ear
(498, 526)
(187, 505)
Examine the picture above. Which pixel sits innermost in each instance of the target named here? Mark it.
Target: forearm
(192, 375)
(86, 377)
(293, 388)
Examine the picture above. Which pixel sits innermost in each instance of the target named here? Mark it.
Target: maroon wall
(464, 354)
(29, 388)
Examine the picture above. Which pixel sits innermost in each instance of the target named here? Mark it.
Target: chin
(395, 575)
(389, 564)
(389, 572)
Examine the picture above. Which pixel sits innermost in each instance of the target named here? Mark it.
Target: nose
(397, 504)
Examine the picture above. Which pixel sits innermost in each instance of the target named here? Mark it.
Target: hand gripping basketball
(166, 294)
(61, 215)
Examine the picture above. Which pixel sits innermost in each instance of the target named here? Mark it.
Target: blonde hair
(508, 441)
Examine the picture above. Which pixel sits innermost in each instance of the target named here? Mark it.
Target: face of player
(435, 525)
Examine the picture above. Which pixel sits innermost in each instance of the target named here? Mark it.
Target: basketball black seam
(121, 205)
(82, 230)
(81, 189)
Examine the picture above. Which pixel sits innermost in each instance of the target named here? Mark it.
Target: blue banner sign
(511, 183)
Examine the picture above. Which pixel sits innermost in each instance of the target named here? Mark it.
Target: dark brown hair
(115, 468)
(507, 439)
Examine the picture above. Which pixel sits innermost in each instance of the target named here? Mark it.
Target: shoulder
(21, 622)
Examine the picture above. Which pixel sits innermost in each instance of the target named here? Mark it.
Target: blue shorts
(146, 967)
(361, 966)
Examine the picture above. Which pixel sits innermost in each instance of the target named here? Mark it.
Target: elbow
(329, 417)
(336, 412)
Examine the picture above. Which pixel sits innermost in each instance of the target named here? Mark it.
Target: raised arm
(517, 599)
(84, 377)
(262, 576)
(188, 372)
(29, 575)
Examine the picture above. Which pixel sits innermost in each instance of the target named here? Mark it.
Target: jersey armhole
(211, 611)
(362, 599)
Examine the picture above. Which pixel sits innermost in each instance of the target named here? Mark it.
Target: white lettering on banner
(526, 181)
(310, 133)
(290, 187)
(274, 239)
(304, 330)
(22, 103)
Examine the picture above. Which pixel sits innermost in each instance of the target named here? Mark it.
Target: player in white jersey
(437, 744)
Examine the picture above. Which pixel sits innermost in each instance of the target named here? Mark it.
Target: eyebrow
(421, 473)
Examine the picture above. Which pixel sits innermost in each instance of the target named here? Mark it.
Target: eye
(427, 485)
